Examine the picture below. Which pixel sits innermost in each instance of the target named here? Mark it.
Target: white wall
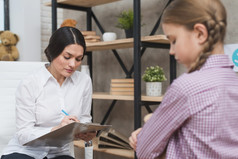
(26, 23)
(46, 25)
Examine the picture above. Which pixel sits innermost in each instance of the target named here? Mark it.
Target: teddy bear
(8, 49)
(69, 23)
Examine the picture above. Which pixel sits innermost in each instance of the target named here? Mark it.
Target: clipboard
(65, 134)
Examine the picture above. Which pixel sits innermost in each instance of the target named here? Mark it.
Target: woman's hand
(65, 121)
(85, 136)
(133, 138)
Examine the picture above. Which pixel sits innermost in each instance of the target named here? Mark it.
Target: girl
(197, 117)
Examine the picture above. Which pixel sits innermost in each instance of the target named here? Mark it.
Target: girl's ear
(201, 33)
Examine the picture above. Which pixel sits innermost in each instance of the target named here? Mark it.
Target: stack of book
(122, 86)
(113, 139)
(90, 36)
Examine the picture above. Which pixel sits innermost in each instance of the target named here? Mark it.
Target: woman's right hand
(65, 121)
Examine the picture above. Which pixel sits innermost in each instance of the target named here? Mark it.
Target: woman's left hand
(85, 136)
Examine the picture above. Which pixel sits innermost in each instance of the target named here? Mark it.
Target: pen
(65, 112)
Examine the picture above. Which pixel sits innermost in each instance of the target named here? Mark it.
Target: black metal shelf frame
(6, 15)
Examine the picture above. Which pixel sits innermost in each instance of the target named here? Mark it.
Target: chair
(11, 73)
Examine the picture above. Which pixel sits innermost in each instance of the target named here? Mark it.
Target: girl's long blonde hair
(210, 13)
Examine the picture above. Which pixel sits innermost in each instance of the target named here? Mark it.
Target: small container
(88, 150)
(85, 69)
(109, 36)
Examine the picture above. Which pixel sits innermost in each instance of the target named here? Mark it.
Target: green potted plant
(125, 21)
(153, 76)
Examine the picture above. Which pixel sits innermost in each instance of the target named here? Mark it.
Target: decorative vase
(153, 88)
(109, 36)
(129, 33)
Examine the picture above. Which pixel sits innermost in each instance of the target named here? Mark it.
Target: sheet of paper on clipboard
(65, 134)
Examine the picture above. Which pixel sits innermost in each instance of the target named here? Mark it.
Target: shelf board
(118, 152)
(83, 3)
(108, 96)
(124, 43)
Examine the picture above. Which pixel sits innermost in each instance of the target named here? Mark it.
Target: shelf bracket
(98, 23)
(148, 108)
(128, 75)
(108, 112)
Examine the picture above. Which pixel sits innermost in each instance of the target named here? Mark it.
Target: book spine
(130, 80)
(122, 89)
(123, 85)
(121, 93)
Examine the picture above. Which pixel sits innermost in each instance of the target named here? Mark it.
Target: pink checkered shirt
(198, 116)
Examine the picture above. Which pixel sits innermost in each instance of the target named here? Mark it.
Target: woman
(41, 97)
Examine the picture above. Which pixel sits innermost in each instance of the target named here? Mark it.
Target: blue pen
(65, 112)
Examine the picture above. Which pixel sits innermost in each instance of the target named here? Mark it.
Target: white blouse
(39, 101)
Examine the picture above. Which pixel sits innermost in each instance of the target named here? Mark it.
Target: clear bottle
(88, 150)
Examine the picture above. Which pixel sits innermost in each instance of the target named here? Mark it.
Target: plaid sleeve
(167, 118)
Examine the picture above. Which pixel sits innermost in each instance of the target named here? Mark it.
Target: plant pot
(153, 88)
(129, 33)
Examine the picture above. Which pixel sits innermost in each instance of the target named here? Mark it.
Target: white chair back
(11, 73)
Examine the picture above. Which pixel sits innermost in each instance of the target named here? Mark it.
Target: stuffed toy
(69, 22)
(8, 49)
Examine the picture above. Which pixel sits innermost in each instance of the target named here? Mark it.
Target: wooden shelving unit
(137, 42)
(118, 152)
(83, 3)
(108, 96)
(125, 43)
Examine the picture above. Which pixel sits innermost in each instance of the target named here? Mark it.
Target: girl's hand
(147, 117)
(65, 121)
(133, 138)
(85, 136)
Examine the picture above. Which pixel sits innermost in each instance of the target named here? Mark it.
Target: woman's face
(67, 62)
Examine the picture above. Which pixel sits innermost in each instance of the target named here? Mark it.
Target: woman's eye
(174, 41)
(79, 59)
(66, 57)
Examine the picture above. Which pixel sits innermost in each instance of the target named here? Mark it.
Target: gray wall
(106, 67)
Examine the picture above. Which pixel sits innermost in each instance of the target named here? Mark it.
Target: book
(121, 93)
(65, 134)
(88, 33)
(104, 136)
(103, 144)
(113, 139)
(126, 80)
(122, 89)
(122, 85)
(90, 37)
